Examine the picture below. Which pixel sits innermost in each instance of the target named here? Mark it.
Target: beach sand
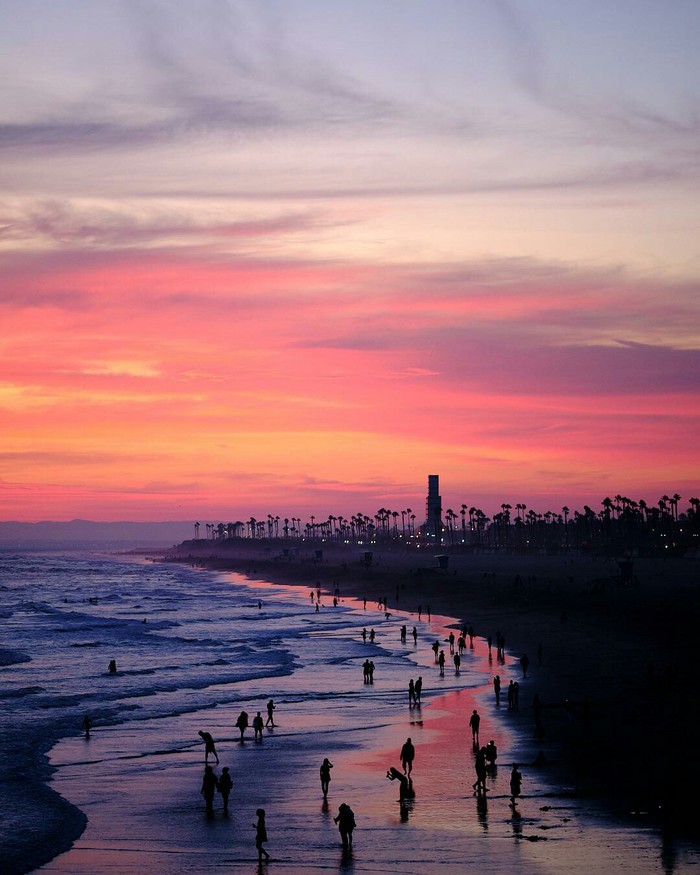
(618, 662)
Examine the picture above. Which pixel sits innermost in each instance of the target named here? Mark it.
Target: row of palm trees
(621, 523)
(358, 527)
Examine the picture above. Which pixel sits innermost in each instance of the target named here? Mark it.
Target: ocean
(193, 648)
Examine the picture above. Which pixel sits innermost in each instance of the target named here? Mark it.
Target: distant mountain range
(83, 533)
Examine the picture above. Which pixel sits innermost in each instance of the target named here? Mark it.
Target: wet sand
(617, 668)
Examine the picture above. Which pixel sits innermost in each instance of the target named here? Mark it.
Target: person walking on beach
(258, 726)
(516, 780)
(270, 710)
(497, 689)
(346, 824)
(325, 773)
(242, 722)
(261, 834)
(209, 747)
(411, 692)
(524, 663)
(225, 787)
(441, 663)
(479, 786)
(112, 667)
(474, 722)
(436, 649)
(457, 661)
(415, 635)
(419, 688)
(408, 754)
(371, 636)
(511, 696)
(210, 784)
(87, 725)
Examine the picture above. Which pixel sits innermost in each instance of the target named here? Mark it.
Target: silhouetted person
(261, 834)
(458, 661)
(474, 722)
(497, 688)
(415, 635)
(491, 752)
(524, 663)
(364, 635)
(419, 688)
(441, 662)
(370, 669)
(210, 784)
(511, 696)
(435, 646)
(325, 774)
(516, 780)
(258, 726)
(408, 754)
(270, 711)
(479, 785)
(411, 692)
(451, 640)
(225, 787)
(516, 696)
(371, 635)
(346, 824)
(406, 790)
(87, 725)
(112, 667)
(242, 722)
(209, 747)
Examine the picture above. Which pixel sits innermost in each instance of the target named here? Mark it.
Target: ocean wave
(13, 657)
(21, 692)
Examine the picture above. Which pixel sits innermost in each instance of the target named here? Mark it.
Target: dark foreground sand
(619, 668)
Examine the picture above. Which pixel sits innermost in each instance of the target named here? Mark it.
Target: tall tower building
(433, 508)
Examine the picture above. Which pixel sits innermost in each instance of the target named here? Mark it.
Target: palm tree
(196, 531)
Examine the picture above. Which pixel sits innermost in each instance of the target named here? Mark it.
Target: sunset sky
(292, 257)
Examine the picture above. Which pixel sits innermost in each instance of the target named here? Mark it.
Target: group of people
(243, 721)
(415, 688)
(484, 756)
(404, 633)
(211, 784)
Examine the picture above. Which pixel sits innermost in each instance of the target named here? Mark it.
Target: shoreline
(615, 659)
